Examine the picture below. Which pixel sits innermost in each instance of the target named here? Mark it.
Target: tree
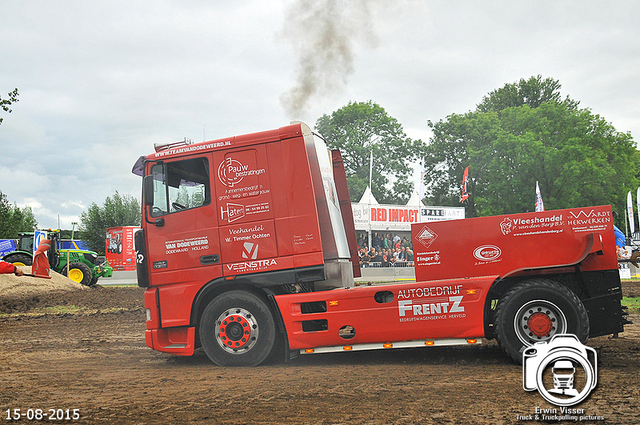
(15, 220)
(532, 92)
(515, 139)
(359, 129)
(118, 210)
(5, 103)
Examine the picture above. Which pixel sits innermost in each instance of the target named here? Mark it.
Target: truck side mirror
(148, 190)
(147, 195)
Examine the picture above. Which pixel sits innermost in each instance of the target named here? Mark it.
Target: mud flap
(605, 315)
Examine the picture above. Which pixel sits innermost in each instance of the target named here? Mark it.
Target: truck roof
(176, 149)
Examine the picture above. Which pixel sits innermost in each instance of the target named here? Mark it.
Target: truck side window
(180, 185)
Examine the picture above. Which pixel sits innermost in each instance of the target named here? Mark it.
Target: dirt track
(96, 360)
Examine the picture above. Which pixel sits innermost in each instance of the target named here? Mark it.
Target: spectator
(396, 253)
(364, 259)
(392, 258)
(386, 242)
(375, 241)
(377, 258)
(409, 257)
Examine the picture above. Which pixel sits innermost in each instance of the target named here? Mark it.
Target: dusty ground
(93, 358)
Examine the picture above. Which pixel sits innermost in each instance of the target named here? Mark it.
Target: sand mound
(12, 287)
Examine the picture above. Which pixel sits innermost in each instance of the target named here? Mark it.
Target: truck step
(389, 345)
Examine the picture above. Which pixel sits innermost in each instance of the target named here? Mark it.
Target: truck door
(181, 223)
(247, 226)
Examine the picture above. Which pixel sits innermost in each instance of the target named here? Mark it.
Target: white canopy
(414, 201)
(367, 197)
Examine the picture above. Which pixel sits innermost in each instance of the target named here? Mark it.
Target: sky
(101, 82)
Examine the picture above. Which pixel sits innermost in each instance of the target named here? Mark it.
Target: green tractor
(85, 266)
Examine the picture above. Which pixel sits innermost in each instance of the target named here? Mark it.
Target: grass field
(633, 304)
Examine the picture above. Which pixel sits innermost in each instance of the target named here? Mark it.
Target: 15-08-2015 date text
(42, 414)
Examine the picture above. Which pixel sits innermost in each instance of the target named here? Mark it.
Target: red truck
(248, 249)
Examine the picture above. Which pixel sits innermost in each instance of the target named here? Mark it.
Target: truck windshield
(180, 185)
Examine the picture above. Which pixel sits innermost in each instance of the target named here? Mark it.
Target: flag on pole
(632, 225)
(370, 168)
(421, 184)
(465, 180)
(539, 203)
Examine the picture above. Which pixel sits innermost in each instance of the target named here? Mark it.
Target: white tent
(414, 201)
(367, 197)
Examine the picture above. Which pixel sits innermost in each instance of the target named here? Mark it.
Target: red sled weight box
(575, 247)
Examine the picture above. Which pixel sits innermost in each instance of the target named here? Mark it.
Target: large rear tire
(79, 272)
(535, 311)
(19, 259)
(237, 328)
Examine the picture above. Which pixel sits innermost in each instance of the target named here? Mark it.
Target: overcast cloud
(100, 82)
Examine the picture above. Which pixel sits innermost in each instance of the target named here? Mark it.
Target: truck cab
(259, 212)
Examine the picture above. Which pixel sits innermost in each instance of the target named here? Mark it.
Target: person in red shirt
(10, 268)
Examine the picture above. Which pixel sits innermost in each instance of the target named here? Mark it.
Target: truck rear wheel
(237, 329)
(79, 272)
(535, 311)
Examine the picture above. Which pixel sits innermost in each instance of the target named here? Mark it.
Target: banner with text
(399, 217)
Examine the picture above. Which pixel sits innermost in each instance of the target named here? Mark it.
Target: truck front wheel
(237, 329)
(535, 311)
(79, 272)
